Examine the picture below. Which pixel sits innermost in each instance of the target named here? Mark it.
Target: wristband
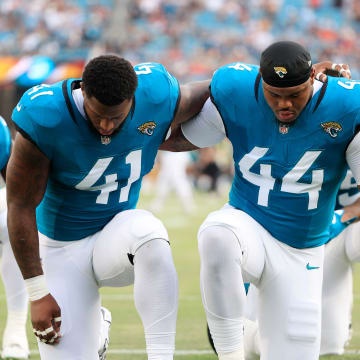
(36, 287)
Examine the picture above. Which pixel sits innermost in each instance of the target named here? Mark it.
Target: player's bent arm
(26, 180)
(192, 98)
(204, 130)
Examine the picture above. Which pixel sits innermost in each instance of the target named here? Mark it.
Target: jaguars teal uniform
(5, 143)
(286, 178)
(92, 179)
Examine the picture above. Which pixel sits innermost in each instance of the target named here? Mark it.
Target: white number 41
(111, 183)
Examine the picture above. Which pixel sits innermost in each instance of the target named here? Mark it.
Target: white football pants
(234, 248)
(75, 270)
(337, 296)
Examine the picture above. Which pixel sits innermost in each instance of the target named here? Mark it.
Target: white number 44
(290, 182)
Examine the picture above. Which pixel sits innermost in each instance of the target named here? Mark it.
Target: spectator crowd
(192, 38)
(61, 29)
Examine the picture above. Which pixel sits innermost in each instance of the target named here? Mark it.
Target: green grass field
(127, 332)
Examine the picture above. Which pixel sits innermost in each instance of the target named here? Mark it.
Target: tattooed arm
(26, 179)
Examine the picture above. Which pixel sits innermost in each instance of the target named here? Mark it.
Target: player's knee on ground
(217, 246)
(304, 322)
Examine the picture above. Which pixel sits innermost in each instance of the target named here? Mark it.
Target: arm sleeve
(353, 157)
(206, 129)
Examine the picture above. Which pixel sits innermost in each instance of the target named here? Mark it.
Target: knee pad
(248, 234)
(142, 226)
(145, 226)
(118, 242)
(304, 322)
(218, 244)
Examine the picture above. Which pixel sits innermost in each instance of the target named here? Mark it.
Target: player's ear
(312, 75)
(82, 88)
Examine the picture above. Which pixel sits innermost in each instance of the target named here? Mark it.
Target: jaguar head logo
(332, 128)
(147, 128)
(281, 71)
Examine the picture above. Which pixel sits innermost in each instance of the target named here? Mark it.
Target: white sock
(15, 330)
(235, 355)
(251, 339)
(156, 297)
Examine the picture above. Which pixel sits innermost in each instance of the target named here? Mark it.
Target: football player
(14, 343)
(292, 138)
(341, 252)
(81, 151)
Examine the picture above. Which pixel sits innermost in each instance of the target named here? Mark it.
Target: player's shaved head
(110, 79)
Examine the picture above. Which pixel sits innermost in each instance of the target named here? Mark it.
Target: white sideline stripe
(177, 352)
(129, 297)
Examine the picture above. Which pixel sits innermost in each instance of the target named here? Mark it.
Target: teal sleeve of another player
(32, 131)
(5, 144)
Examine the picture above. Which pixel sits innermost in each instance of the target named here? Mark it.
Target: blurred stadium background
(49, 40)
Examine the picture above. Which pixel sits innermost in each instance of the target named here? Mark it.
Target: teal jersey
(5, 143)
(92, 179)
(287, 178)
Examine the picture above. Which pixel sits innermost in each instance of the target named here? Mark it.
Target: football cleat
(104, 332)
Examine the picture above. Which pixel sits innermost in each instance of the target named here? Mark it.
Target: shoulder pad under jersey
(155, 82)
(42, 104)
(233, 79)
